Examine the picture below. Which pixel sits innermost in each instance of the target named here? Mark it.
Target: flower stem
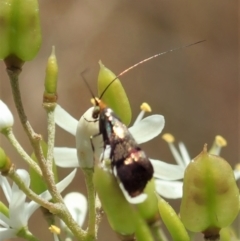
(91, 231)
(26, 234)
(11, 137)
(32, 195)
(158, 232)
(58, 209)
(50, 107)
(33, 137)
(143, 233)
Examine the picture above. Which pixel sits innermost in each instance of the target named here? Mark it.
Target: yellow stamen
(55, 229)
(220, 141)
(92, 101)
(237, 167)
(145, 107)
(169, 138)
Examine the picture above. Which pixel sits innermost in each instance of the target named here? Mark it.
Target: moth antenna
(145, 60)
(88, 86)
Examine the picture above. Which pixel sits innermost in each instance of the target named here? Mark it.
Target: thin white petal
(32, 206)
(185, 156)
(77, 206)
(65, 157)
(6, 117)
(17, 202)
(87, 127)
(7, 234)
(169, 189)
(65, 120)
(167, 171)
(237, 174)
(176, 154)
(6, 188)
(148, 128)
(4, 221)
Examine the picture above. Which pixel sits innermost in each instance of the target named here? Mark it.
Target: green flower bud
(51, 78)
(38, 185)
(149, 208)
(121, 215)
(228, 234)
(19, 30)
(210, 195)
(4, 210)
(172, 221)
(115, 96)
(5, 163)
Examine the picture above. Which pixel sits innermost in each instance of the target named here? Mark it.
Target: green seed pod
(228, 234)
(19, 30)
(5, 162)
(37, 183)
(210, 195)
(172, 221)
(115, 96)
(51, 74)
(121, 215)
(143, 232)
(149, 208)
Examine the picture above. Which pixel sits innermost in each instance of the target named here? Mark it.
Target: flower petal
(169, 189)
(65, 157)
(167, 171)
(17, 212)
(4, 221)
(77, 206)
(148, 128)
(6, 188)
(237, 174)
(87, 127)
(6, 117)
(6, 234)
(32, 206)
(65, 120)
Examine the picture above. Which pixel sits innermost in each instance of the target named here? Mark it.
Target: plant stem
(26, 234)
(50, 107)
(32, 195)
(88, 174)
(11, 137)
(58, 209)
(33, 137)
(158, 232)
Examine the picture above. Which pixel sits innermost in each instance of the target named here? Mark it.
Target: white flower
(6, 117)
(19, 210)
(143, 130)
(77, 206)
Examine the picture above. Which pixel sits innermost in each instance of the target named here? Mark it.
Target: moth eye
(95, 113)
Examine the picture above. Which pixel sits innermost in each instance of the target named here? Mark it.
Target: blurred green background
(196, 89)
